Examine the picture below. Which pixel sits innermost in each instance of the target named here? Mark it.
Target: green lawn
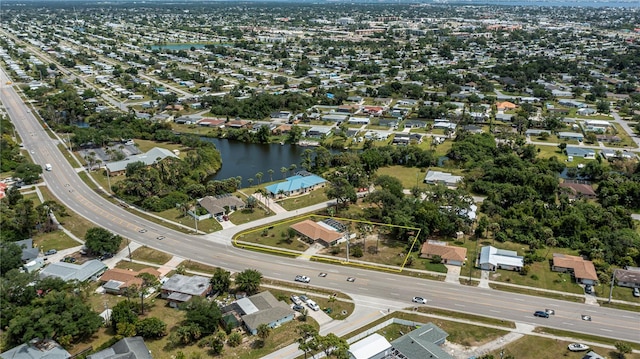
(73, 222)
(54, 240)
(175, 215)
(585, 337)
(273, 235)
(125, 264)
(531, 346)
(410, 177)
(305, 200)
(150, 255)
(197, 267)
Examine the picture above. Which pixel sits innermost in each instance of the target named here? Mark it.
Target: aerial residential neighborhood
(280, 179)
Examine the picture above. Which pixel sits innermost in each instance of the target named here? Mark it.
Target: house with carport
(117, 280)
(181, 288)
(452, 255)
(89, 270)
(582, 270)
(220, 204)
(152, 156)
(492, 259)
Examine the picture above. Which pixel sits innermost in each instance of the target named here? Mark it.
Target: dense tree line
(258, 106)
(10, 156)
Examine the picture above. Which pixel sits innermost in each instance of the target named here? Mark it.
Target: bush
(357, 252)
(234, 339)
(534, 277)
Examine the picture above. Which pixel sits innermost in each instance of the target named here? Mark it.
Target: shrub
(234, 339)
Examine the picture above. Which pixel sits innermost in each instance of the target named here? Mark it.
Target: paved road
(216, 249)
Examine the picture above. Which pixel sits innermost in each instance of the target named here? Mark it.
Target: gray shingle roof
(148, 158)
(126, 348)
(195, 285)
(422, 343)
(70, 271)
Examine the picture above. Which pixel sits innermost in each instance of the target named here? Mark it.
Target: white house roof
(495, 256)
(246, 305)
(148, 158)
(369, 346)
(70, 271)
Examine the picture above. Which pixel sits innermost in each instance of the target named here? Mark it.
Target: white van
(48, 167)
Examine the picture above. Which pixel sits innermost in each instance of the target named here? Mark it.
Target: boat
(578, 347)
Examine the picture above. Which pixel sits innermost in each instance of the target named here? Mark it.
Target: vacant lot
(544, 348)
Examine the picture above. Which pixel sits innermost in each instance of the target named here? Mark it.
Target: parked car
(636, 292)
(303, 279)
(313, 305)
(588, 289)
(303, 298)
(295, 299)
(541, 314)
(419, 300)
(298, 307)
(50, 252)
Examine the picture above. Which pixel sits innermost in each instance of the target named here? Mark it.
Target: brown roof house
(450, 254)
(116, 280)
(629, 277)
(582, 270)
(320, 232)
(218, 205)
(261, 308)
(181, 288)
(579, 190)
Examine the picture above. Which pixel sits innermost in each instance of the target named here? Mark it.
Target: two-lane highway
(216, 250)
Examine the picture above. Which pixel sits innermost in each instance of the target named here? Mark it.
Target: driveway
(453, 274)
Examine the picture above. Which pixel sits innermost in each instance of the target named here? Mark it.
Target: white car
(313, 305)
(419, 300)
(303, 279)
(296, 300)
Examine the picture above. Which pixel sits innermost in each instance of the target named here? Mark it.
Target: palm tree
(292, 168)
(284, 171)
(248, 281)
(263, 331)
(270, 172)
(250, 180)
(259, 177)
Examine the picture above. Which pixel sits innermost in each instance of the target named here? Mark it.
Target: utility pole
(129, 248)
(348, 239)
(613, 276)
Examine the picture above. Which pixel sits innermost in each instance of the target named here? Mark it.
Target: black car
(588, 289)
(298, 307)
(541, 314)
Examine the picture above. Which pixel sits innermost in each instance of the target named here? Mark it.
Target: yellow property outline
(248, 245)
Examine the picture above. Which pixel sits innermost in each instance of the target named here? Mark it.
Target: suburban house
(579, 152)
(571, 136)
(34, 265)
(320, 232)
(536, 132)
(125, 348)
(505, 106)
(572, 103)
(318, 132)
(154, 155)
(374, 346)
(28, 252)
(212, 122)
(579, 190)
(261, 308)
(582, 270)
(116, 280)
(89, 270)
(302, 182)
(420, 343)
(629, 277)
(181, 288)
(610, 154)
(219, 205)
(37, 349)
(492, 258)
(437, 177)
(450, 254)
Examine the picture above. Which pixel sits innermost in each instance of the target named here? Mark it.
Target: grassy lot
(531, 346)
(408, 176)
(621, 306)
(175, 215)
(389, 251)
(459, 333)
(624, 136)
(197, 267)
(125, 264)
(54, 240)
(150, 255)
(74, 222)
(621, 293)
(465, 316)
(538, 293)
(146, 145)
(582, 336)
(305, 200)
(275, 236)
(247, 215)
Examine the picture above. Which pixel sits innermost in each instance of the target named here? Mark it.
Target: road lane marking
(567, 323)
(606, 330)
